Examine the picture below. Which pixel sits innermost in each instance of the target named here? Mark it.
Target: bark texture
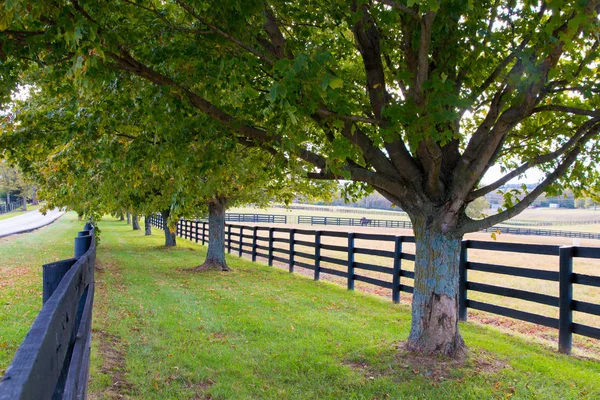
(170, 238)
(128, 217)
(147, 226)
(24, 203)
(135, 222)
(215, 258)
(434, 328)
(34, 197)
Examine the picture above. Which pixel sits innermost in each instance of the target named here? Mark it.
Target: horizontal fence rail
(53, 359)
(275, 244)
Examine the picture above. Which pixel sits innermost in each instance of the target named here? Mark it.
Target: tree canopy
(414, 99)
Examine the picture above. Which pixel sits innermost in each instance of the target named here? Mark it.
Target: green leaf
(336, 83)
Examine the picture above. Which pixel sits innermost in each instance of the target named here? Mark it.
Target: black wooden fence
(268, 218)
(376, 223)
(6, 208)
(53, 360)
(259, 241)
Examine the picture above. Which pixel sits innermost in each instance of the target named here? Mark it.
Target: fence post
(565, 318)
(271, 230)
(52, 274)
(351, 261)
(82, 244)
(462, 281)
(292, 250)
(229, 239)
(397, 269)
(254, 239)
(196, 231)
(203, 233)
(241, 240)
(317, 255)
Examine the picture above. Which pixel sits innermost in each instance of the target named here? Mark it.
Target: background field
(538, 214)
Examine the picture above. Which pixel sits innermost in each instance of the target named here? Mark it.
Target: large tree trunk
(121, 216)
(24, 203)
(128, 217)
(147, 226)
(170, 238)
(434, 328)
(215, 258)
(135, 222)
(34, 197)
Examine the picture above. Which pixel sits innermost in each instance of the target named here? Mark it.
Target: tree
(134, 163)
(415, 101)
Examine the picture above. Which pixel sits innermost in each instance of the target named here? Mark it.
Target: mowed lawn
(161, 332)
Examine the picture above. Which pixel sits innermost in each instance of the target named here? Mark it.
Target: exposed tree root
(211, 265)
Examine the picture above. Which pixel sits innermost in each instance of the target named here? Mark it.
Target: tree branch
(566, 109)
(541, 159)
(476, 225)
(367, 38)
(224, 34)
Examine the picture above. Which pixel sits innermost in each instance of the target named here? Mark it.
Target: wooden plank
(541, 249)
(373, 281)
(332, 260)
(586, 252)
(334, 272)
(39, 360)
(406, 288)
(407, 256)
(585, 330)
(304, 265)
(374, 236)
(373, 267)
(78, 360)
(332, 247)
(514, 271)
(514, 293)
(516, 314)
(374, 252)
(407, 274)
(587, 280)
(585, 307)
(305, 243)
(281, 259)
(305, 255)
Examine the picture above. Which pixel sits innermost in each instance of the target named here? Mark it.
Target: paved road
(27, 222)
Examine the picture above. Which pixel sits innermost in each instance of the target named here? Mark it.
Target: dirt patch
(434, 368)
(209, 266)
(113, 364)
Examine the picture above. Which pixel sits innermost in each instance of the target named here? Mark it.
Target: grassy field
(537, 214)
(161, 332)
(15, 213)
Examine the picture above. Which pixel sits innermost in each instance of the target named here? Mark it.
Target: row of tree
(13, 186)
(162, 105)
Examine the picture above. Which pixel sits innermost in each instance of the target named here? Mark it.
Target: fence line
(263, 243)
(6, 208)
(53, 360)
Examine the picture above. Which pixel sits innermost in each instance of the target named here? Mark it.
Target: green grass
(15, 213)
(161, 332)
